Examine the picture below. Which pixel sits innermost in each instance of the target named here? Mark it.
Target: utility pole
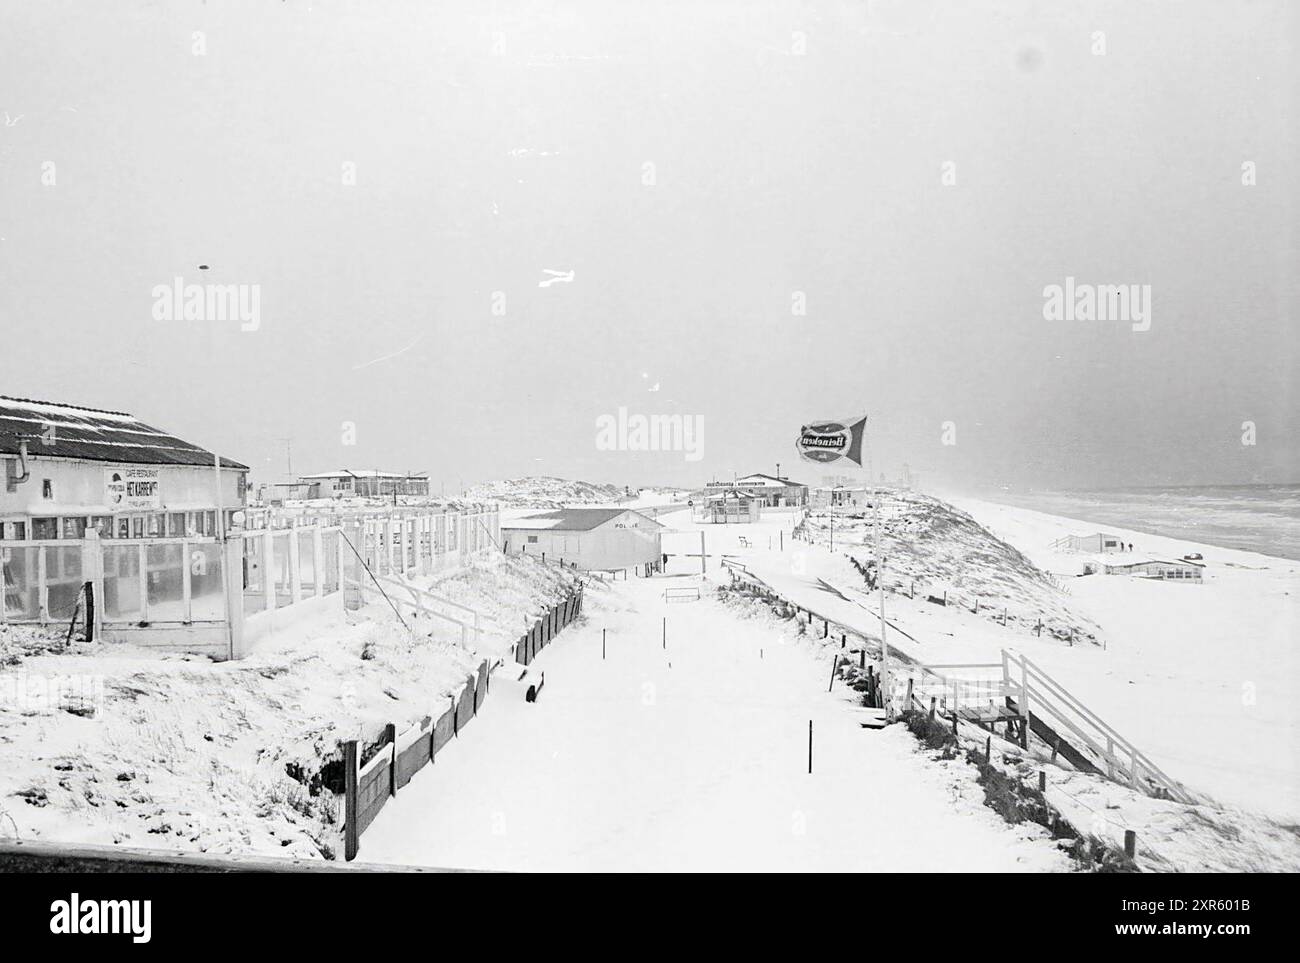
(880, 584)
(288, 450)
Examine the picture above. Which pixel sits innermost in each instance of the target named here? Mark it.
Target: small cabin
(1182, 570)
(1100, 543)
(729, 507)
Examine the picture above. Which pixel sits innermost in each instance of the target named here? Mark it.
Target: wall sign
(132, 489)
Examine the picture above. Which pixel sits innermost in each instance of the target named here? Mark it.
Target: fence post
(390, 733)
(268, 568)
(318, 559)
(92, 571)
(1130, 843)
(350, 799)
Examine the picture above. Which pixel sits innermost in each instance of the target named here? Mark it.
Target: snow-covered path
(692, 757)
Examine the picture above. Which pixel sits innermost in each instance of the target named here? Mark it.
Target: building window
(74, 528)
(532, 539)
(45, 528)
(47, 488)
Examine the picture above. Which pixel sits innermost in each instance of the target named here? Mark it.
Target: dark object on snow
(535, 690)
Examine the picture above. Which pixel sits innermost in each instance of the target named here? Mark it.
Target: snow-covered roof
(55, 430)
(769, 481)
(573, 519)
(1134, 562)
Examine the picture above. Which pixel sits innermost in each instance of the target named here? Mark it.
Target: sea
(1252, 518)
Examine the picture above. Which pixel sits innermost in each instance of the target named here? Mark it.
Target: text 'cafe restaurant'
(69, 469)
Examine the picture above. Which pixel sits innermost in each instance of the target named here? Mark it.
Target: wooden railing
(1016, 690)
(1121, 760)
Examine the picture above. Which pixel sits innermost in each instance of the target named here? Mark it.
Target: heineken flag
(827, 441)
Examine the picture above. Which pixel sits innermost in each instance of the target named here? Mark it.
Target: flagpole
(880, 585)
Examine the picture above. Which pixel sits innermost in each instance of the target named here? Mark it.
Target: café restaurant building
(68, 469)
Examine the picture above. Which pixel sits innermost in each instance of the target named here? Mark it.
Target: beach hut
(1158, 568)
(729, 506)
(1099, 542)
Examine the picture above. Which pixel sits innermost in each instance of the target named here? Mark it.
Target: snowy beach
(1208, 675)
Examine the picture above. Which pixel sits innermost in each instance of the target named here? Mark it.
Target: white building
(594, 539)
(727, 507)
(68, 469)
(1099, 542)
(772, 492)
(362, 481)
(1158, 568)
(841, 496)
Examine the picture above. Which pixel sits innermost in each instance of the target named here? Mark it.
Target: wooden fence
(369, 786)
(547, 627)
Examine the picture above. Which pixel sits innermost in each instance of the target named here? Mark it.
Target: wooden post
(931, 707)
(390, 733)
(350, 800)
(1130, 843)
(988, 750)
(945, 598)
(976, 609)
(665, 631)
(810, 747)
(834, 665)
(862, 657)
(1042, 780)
(602, 644)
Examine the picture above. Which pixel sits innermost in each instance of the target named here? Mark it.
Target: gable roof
(1109, 562)
(573, 519)
(772, 478)
(94, 434)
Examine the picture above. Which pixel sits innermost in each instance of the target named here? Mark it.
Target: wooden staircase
(1027, 701)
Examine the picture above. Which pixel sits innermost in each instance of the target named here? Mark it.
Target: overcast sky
(795, 147)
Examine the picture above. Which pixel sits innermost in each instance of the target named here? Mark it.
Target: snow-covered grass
(183, 753)
(933, 548)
